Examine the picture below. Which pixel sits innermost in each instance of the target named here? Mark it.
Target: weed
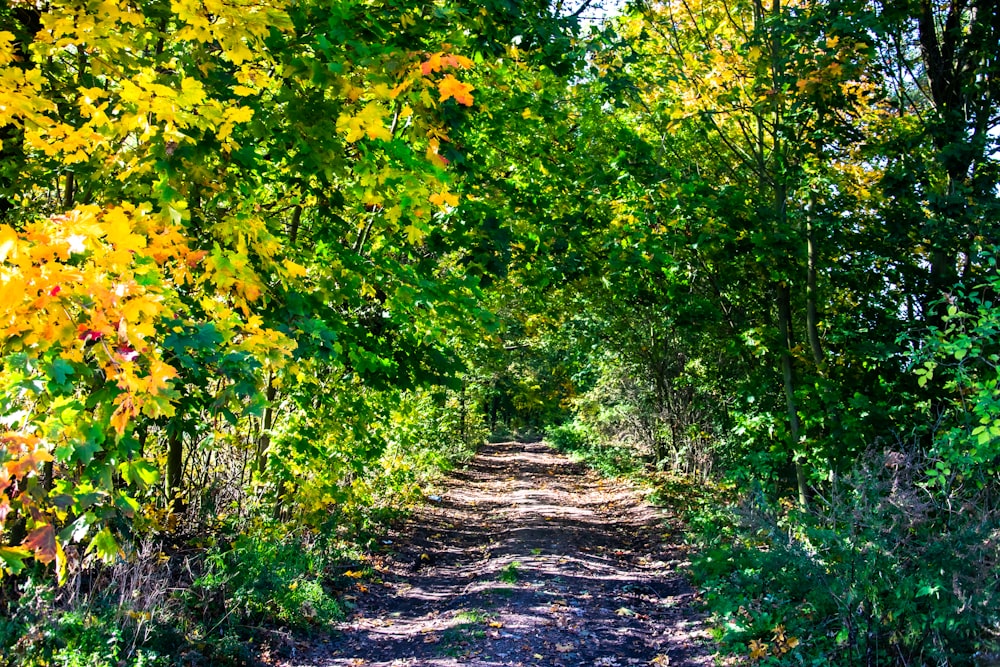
(467, 629)
(510, 574)
(467, 617)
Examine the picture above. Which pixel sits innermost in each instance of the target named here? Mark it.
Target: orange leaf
(42, 542)
(451, 87)
(125, 411)
(160, 375)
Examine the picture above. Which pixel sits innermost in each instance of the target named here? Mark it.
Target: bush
(580, 441)
(882, 572)
(269, 580)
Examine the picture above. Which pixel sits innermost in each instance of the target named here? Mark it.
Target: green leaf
(13, 559)
(105, 546)
(141, 472)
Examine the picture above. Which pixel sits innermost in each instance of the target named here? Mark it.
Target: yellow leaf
(160, 374)
(6, 47)
(443, 199)
(369, 122)
(295, 270)
(8, 242)
(123, 413)
(117, 229)
(238, 114)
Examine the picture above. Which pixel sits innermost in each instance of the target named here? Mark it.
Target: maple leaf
(450, 87)
(443, 199)
(118, 231)
(414, 234)
(8, 242)
(89, 335)
(160, 374)
(28, 463)
(42, 542)
(439, 60)
(13, 558)
(368, 122)
(123, 413)
(6, 47)
(295, 270)
(432, 64)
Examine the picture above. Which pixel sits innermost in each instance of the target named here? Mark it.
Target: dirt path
(525, 559)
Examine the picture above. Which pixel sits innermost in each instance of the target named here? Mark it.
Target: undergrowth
(885, 568)
(213, 590)
(169, 604)
(880, 572)
(582, 444)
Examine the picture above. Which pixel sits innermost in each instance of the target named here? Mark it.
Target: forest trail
(526, 559)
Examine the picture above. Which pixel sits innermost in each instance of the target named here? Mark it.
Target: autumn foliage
(163, 165)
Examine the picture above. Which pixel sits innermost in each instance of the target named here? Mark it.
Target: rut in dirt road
(526, 559)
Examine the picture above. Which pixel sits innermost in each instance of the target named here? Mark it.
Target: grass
(510, 573)
(467, 629)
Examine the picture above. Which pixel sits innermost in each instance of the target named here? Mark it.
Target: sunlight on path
(527, 559)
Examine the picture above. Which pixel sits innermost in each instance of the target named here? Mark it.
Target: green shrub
(579, 440)
(881, 572)
(270, 579)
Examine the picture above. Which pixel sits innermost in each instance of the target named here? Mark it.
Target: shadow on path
(526, 559)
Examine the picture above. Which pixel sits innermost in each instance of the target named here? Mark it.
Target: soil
(525, 558)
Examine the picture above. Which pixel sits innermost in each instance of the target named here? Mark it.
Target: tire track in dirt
(526, 559)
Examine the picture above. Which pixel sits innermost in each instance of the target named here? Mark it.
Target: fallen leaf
(565, 648)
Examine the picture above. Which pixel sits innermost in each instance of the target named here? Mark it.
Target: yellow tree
(156, 188)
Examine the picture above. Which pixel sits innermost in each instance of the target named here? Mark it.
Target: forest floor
(525, 558)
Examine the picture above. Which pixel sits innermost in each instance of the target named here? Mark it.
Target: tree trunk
(264, 441)
(787, 371)
(812, 311)
(175, 463)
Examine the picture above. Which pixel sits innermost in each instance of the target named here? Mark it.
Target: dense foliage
(265, 260)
